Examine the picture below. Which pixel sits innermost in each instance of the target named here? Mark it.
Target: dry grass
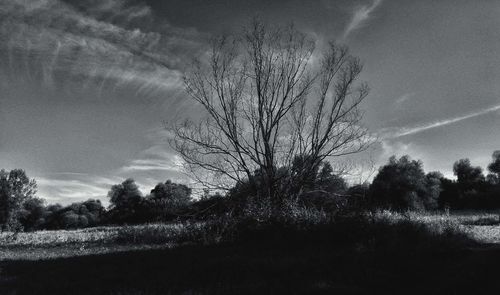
(460, 217)
(90, 241)
(483, 227)
(103, 234)
(58, 237)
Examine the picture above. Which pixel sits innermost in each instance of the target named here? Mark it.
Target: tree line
(401, 184)
(21, 209)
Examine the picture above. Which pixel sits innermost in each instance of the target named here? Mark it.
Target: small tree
(125, 200)
(494, 166)
(166, 199)
(402, 184)
(266, 102)
(468, 177)
(33, 213)
(434, 188)
(175, 194)
(15, 188)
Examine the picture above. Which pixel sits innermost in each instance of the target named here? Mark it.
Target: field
(90, 241)
(483, 227)
(158, 259)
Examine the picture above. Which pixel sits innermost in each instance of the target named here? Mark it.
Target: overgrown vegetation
(400, 185)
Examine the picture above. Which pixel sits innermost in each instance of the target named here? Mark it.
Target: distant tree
(125, 194)
(125, 201)
(468, 177)
(494, 166)
(449, 197)
(166, 199)
(33, 214)
(70, 220)
(173, 193)
(402, 184)
(328, 181)
(15, 189)
(434, 189)
(95, 211)
(76, 215)
(492, 179)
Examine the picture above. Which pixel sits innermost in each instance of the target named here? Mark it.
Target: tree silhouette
(166, 199)
(15, 188)
(402, 184)
(494, 166)
(468, 177)
(266, 102)
(125, 200)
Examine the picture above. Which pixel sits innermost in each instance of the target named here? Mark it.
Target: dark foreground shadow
(256, 268)
(350, 256)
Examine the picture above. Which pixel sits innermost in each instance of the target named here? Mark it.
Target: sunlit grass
(482, 227)
(103, 234)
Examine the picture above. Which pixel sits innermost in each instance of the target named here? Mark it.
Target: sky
(85, 85)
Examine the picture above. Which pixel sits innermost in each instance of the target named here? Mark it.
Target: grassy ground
(394, 253)
(92, 241)
(483, 227)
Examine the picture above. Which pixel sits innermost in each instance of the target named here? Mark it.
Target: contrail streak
(360, 16)
(389, 133)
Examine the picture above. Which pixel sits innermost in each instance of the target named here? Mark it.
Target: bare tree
(270, 99)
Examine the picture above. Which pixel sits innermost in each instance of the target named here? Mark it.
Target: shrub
(402, 184)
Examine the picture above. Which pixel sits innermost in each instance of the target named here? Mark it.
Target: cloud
(152, 165)
(360, 16)
(389, 133)
(173, 164)
(403, 98)
(101, 43)
(79, 188)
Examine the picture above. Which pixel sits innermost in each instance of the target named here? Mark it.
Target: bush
(373, 233)
(76, 215)
(402, 184)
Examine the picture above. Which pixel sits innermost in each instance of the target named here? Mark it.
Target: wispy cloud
(79, 188)
(390, 133)
(107, 43)
(156, 163)
(360, 16)
(174, 164)
(403, 98)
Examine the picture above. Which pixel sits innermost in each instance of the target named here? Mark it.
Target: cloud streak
(74, 190)
(403, 98)
(359, 17)
(173, 164)
(390, 133)
(55, 42)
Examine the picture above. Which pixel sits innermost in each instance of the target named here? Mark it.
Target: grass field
(91, 241)
(154, 259)
(483, 227)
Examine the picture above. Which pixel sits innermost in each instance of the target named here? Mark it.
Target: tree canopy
(267, 101)
(403, 184)
(15, 189)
